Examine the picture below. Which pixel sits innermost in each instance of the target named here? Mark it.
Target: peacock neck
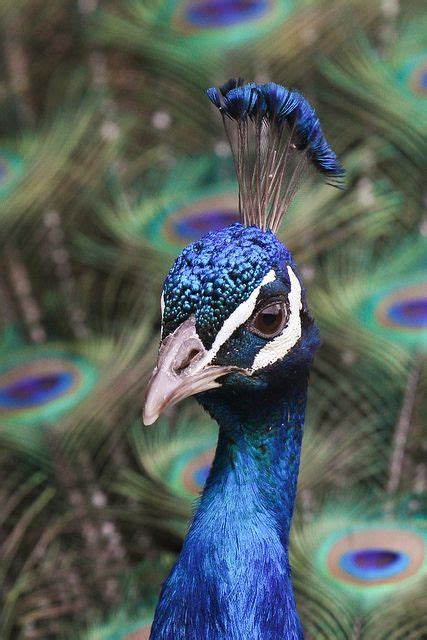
(255, 470)
(232, 579)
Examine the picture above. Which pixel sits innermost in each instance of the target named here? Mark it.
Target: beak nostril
(186, 359)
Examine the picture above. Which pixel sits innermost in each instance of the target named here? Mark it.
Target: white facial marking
(283, 343)
(162, 304)
(273, 350)
(237, 318)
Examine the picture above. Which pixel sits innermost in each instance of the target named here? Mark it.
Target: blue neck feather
(232, 579)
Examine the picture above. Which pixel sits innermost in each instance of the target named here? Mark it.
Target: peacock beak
(182, 370)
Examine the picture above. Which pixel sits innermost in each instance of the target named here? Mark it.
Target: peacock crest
(275, 136)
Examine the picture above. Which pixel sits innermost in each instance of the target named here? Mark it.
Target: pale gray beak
(182, 370)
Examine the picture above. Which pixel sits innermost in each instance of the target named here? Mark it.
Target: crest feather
(275, 136)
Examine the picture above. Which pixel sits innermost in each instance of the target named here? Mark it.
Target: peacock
(111, 161)
(238, 334)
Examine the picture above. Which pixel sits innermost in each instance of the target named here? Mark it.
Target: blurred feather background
(111, 160)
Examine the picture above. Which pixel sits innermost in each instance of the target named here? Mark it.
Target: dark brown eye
(270, 321)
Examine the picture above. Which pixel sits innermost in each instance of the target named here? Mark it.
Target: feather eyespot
(270, 321)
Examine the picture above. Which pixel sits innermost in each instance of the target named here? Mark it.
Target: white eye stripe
(235, 320)
(273, 350)
(283, 343)
(162, 304)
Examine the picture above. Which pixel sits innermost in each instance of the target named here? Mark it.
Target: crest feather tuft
(275, 136)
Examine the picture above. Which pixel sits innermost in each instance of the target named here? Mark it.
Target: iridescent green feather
(38, 169)
(352, 564)
(359, 80)
(132, 618)
(182, 30)
(375, 303)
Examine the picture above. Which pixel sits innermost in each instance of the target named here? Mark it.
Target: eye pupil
(270, 321)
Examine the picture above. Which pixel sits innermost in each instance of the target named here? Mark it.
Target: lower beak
(181, 371)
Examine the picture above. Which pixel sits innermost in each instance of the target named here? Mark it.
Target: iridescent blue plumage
(223, 13)
(280, 102)
(310, 135)
(237, 333)
(233, 578)
(277, 106)
(212, 276)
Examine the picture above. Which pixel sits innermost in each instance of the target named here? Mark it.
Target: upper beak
(182, 370)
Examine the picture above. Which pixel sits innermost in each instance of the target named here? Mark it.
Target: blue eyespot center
(200, 475)
(194, 227)
(374, 563)
(34, 390)
(223, 13)
(410, 313)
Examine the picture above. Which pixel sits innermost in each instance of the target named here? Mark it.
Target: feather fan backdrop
(112, 160)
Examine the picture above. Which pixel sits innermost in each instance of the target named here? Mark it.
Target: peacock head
(234, 317)
(234, 312)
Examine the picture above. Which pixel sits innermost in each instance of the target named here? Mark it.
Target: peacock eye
(270, 320)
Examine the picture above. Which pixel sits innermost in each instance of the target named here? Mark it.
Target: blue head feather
(310, 135)
(214, 96)
(215, 274)
(280, 102)
(239, 103)
(283, 122)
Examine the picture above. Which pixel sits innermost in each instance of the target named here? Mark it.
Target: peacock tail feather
(364, 75)
(39, 384)
(39, 169)
(132, 620)
(11, 169)
(192, 27)
(351, 560)
(123, 629)
(54, 448)
(386, 312)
